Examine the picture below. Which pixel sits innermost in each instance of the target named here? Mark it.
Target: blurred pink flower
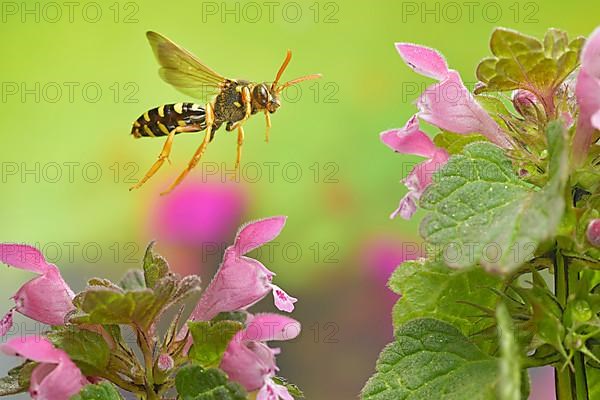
(542, 384)
(587, 91)
(593, 232)
(382, 254)
(449, 104)
(47, 298)
(56, 377)
(199, 213)
(241, 281)
(411, 140)
(249, 361)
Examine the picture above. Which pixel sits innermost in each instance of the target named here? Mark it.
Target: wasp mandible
(233, 102)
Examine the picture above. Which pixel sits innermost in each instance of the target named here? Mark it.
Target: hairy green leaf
(196, 383)
(522, 61)
(133, 280)
(482, 213)
(101, 391)
(211, 340)
(87, 349)
(454, 143)
(292, 389)
(431, 359)
(431, 289)
(155, 266)
(17, 380)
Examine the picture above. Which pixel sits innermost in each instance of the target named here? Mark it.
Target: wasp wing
(183, 70)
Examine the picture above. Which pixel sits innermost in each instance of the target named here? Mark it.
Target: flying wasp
(233, 102)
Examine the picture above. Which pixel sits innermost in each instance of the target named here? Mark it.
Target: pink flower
(587, 91)
(593, 232)
(449, 104)
(411, 140)
(241, 281)
(198, 214)
(56, 377)
(249, 361)
(47, 298)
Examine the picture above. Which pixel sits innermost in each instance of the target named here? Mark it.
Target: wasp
(227, 101)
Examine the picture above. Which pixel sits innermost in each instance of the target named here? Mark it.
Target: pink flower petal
(6, 323)
(61, 383)
(283, 301)
(409, 140)
(593, 232)
(420, 177)
(24, 257)
(34, 348)
(248, 363)
(590, 55)
(273, 391)
(587, 91)
(165, 362)
(450, 106)
(57, 377)
(239, 283)
(47, 299)
(407, 207)
(257, 233)
(423, 60)
(267, 327)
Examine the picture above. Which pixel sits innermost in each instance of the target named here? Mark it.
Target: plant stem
(570, 383)
(564, 384)
(147, 352)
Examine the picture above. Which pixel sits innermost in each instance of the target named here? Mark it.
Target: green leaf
(482, 213)
(238, 316)
(196, 383)
(110, 306)
(87, 349)
(17, 380)
(454, 143)
(211, 340)
(133, 280)
(292, 389)
(522, 61)
(101, 391)
(593, 382)
(510, 359)
(431, 289)
(155, 266)
(431, 359)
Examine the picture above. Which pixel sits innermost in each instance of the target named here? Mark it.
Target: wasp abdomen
(161, 120)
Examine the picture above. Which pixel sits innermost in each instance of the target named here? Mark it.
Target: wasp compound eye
(261, 95)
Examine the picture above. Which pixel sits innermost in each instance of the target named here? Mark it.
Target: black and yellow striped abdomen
(161, 120)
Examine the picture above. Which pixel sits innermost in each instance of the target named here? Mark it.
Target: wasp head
(265, 99)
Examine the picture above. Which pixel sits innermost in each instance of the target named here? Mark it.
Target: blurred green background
(74, 76)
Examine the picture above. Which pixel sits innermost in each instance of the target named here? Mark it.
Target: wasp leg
(247, 102)
(240, 143)
(210, 120)
(164, 154)
(268, 120)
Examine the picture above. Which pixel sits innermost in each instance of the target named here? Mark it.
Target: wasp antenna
(298, 80)
(288, 57)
